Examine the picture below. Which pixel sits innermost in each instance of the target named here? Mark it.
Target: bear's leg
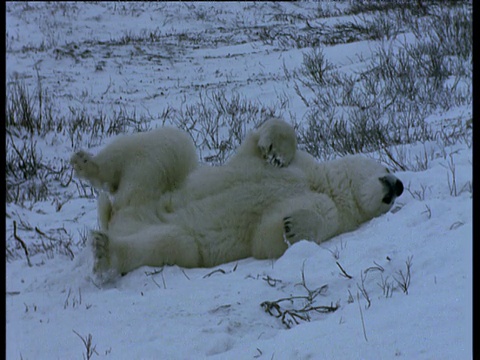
(155, 245)
(87, 167)
(308, 217)
(277, 142)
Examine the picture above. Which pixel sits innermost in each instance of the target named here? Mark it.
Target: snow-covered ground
(95, 57)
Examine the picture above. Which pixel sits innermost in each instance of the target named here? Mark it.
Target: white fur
(137, 168)
(245, 208)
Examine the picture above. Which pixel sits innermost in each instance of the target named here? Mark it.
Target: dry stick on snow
(377, 267)
(22, 243)
(288, 317)
(41, 232)
(363, 290)
(292, 316)
(184, 273)
(220, 271)
(312, 294)
(361, 317)
(344, 273)
(271, 281)
(260, 353)
(214, 272)
(155, 272)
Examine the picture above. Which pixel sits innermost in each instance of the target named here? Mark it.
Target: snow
(174, 313)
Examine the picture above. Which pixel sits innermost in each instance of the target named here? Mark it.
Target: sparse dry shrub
(29, 118)
(218, 123)
(29, 111)
(387, 104)
(291, 310)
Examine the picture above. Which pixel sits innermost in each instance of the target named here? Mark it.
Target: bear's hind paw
(102, 270)
(101, 254)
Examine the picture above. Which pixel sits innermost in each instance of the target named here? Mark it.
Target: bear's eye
(388, 170)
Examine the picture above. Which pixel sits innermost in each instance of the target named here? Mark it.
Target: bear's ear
(393, 188)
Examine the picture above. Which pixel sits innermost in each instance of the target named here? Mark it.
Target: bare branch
(344, 273)
(21, 242)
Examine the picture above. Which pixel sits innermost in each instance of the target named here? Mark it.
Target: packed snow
(400, 286)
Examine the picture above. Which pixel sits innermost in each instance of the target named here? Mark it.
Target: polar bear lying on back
(246, 207)
(137, 168)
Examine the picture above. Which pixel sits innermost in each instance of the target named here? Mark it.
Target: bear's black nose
(398, 187)
(393, 188)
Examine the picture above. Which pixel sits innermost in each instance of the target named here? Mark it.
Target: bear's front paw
(273, 156)
(277, 142)
(301, 225)
(83, 164)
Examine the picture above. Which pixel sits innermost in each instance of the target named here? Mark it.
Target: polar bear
(139, 167)
(246, 208)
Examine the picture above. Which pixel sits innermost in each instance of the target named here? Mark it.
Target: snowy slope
(80, 52)
(187, 314)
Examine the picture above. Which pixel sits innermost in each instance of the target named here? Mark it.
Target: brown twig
(220, 271)
(289, 316)
(300, 307)
(214, 272)
(21, 242)
(344, 273)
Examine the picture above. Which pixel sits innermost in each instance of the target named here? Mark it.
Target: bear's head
(374, 187)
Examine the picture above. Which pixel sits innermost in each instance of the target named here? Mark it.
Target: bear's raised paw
(277, 142)
(84, 165)
(272, 156)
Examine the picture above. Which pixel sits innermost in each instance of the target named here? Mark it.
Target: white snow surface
(175, 313)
